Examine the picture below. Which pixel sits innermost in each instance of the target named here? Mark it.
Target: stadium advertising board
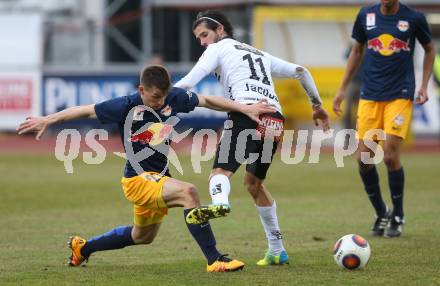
(19, 97)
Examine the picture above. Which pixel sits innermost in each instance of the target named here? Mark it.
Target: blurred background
(59, 53)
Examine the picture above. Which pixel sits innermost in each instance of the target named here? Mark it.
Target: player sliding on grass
(153, 190)
(246, 75)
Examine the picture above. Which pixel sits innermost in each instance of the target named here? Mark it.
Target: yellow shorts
(145, 192)
(393, 117)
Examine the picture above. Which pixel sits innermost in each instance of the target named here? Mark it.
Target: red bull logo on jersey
(387, 45)
(403, 26)
(154, 135)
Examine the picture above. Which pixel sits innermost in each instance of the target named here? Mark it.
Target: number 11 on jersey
(254, 75)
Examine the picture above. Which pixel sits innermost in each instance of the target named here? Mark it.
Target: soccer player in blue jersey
(152, 191)
(387, 33)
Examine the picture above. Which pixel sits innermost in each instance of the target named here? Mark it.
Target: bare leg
(266, 207)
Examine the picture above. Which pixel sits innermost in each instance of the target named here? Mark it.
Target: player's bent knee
(190, 196)
(391, 160)
(181, 194)
(388, 160)
(191, 191)
(253, 186)
(143, 240)
(143, 237)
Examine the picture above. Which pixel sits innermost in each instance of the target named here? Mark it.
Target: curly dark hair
(206, 16)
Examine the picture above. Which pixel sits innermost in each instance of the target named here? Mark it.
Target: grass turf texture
(41, 206)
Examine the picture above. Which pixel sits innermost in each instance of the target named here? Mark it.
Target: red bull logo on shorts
(386, 45)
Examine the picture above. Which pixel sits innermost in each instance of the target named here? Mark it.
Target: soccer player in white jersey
(246, 75)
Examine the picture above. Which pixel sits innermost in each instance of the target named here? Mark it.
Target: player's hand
(422, 96)
(337, 101)
(33, 124)
(321, 116)
(253, 111)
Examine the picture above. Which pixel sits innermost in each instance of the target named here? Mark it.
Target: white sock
(219, 188)
(269, 219)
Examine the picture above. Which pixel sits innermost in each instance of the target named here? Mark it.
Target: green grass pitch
(41, 206)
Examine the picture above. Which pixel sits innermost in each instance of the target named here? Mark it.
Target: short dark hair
(212, 25)
(156, 76)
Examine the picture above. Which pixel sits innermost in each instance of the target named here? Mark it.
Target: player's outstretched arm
(320, 115)
(284, 69)
(353, 62)
(39, 124)
(197, 73)
(281, 68)
(253, 111)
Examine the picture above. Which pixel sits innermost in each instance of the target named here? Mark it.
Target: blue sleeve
(423, 33)
(186, 100)
(113, 110)
(358, 32)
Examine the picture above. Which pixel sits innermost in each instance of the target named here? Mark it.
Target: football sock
(219, 188)
(119, 237)
(396, 181)
(371, 185)
(204, 237)
(269, 219)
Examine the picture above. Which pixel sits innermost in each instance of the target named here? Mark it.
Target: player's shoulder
(115, 109)
(227, 41)
(214, 50)
(222, 44)
(240, 46)
(133, 98)
(410, 12)
(123, 101)
(176, 93)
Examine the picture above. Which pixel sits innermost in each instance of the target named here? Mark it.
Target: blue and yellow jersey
(148, 129)
(388, 68)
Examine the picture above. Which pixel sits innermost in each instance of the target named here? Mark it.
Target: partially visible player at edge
(246, 75)
(150, 192)
(387, 32)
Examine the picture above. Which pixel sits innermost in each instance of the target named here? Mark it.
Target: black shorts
(234, 149)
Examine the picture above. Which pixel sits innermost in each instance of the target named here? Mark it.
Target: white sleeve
(282, 68)
(206, 64)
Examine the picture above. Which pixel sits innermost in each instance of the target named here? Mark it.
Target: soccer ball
(352, 251)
